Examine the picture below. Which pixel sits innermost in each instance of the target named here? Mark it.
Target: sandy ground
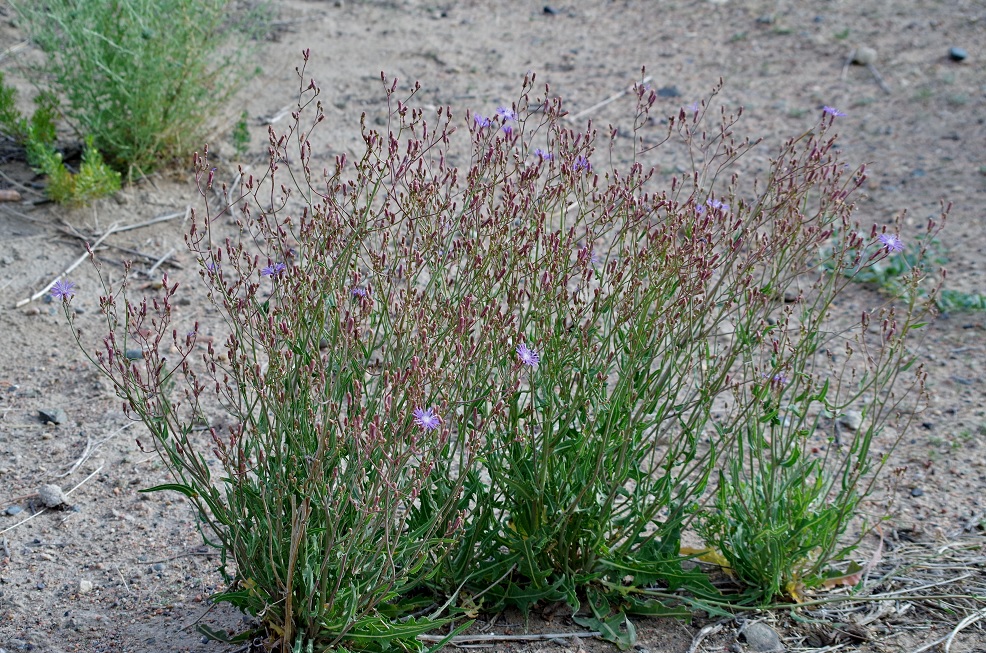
(122, 571)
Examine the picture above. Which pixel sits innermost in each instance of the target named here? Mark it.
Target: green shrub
(142, 77)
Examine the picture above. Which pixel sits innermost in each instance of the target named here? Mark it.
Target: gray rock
(851, 419)
(864, 56)
(134, 354)
(52, 496)
(14, 510)
(917, 492)
(762, 638)
(668, 91)
(85, 586)
(957, 54)
(52, 415)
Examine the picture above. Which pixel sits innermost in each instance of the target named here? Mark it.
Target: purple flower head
(506, 113)
(63, 289)
(273, 270)
(717, 204)
(482, 121)
(891, 242)
(529, 357)
(426, 418)
(694, 107)
(832, 111)
(212, 266)
(507, 129)
(359, 292)
(581, 163)
(544, 156)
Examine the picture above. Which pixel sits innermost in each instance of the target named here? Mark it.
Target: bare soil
(116, 570)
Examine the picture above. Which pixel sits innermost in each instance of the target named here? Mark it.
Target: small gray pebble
(762, 638)
(766, 19)
(13, 510)
(51, 495)
(851, 419)
(668, 91)
(52, 415)
(864, 56)
(134, 354)
(158, 567)
(917, 492)
(957, 54)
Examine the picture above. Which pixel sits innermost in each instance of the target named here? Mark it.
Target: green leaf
(174, 487)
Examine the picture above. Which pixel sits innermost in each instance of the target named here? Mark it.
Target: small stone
(917, 492)
(134, 354)
(864, 56)
(158, 566)
(550, 11)
(14, 510)
(957, 54)
(51, 495)
(762, 638)
(668, 91)
(85, 586)
(52, 415)
(851, 419)
(766, 19)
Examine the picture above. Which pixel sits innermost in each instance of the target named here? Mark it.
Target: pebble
(85, 586)
(668, 91)
(957, 54)
(851, 419)
(864, 56)
(158, 566)
(549, 10)
(52, 415)
(762, 638)
(134, 354)
(917, 492)
(51, 495)
(13, 510)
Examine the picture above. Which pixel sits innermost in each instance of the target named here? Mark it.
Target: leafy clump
(37, 135)
(95, 179)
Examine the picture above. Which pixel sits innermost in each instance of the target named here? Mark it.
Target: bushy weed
(442, 389)
(141, 77)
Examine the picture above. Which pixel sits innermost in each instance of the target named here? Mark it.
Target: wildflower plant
(513, 382)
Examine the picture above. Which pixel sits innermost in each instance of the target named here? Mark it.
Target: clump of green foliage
(37, 135)
(95, 179)
(142, 77)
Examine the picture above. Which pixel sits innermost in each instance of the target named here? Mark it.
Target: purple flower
(581, 163)
(506, 113)
(507, 129)
(694, 107)
(544, 156)
(528, 356)
(717, 204)
(426, 418)
(832, 111)
(63, 289)
(273, 270)
(481, 121)
(359, 292)
(891, 242)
